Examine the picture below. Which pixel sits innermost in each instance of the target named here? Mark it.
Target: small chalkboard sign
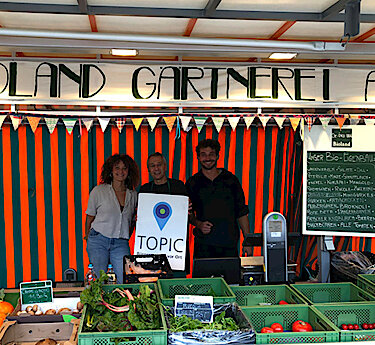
(36, 292)
(196, 307)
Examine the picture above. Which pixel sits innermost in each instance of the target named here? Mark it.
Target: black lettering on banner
(135, 76)
(276, 79)
(63, 69)
(298, 83)
(186, 79)
(148, 240)
(7, 77)
(253, 81)
(13, 80)
(52, 75)
(231, 72)
(214, 81)
(368, 80)
(176, 77)
(174, 245)
(86, 80)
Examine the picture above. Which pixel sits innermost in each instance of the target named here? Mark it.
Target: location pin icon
(162, 213)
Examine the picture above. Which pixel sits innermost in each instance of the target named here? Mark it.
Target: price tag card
(196, 307)
(36, 292)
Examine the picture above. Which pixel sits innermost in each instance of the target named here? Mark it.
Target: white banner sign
(162, 227)
(102, 83)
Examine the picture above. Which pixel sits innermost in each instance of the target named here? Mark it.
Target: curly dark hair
(211, 143)
(131, 181)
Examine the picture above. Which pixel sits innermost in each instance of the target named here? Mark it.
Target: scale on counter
(275, 248)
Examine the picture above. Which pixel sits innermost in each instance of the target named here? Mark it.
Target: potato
(50, 312)
(29, 308)
(64, 311)
(79, 305)
(35, 308)
(47, 341)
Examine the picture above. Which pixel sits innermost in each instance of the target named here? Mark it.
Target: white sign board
(162, 227)
(196, 307)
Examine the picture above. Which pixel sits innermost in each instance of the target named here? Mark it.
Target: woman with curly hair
(110, 214)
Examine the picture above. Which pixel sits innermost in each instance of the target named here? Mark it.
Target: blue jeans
(104, 250)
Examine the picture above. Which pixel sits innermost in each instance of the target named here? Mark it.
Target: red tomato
(365, 326)
(370, 326)
(356, 327)
(344, 326)
(283, 302)
(350, 326)
(277, 327)
(266, 330)
(301, 326)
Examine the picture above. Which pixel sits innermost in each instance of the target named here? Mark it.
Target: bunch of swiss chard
(184, 323)
(119, 310)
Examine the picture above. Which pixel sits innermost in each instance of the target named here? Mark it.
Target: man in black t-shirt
(219, 205)
(161, 184)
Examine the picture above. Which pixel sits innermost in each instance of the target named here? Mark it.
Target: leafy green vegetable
(185, 323)
(143, 311)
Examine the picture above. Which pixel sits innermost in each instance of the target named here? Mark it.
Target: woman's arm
(89, 220)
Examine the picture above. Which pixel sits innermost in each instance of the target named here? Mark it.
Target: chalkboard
(36, 292)
(340, 192)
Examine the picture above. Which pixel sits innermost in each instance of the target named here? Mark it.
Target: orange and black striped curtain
(46, 179)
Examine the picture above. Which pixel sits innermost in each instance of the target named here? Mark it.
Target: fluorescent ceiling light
(124, 52)
(282, 56)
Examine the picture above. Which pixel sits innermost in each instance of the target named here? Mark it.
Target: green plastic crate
(169, 288)
(316, 293)
(253, 295)
(367, 282)
(144, 337)
(12, 298)
(354, 314)
(323, 330)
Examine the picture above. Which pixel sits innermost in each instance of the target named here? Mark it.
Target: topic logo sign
(162, 227)
(162, 213)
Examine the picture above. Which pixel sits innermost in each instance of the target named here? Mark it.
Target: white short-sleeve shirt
(104, 206)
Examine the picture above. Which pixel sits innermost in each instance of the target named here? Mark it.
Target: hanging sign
(162, 227)
(87, 82)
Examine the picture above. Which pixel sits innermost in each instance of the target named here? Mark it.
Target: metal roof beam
(83, 7)
(211, 7)
(177, 12)
(334, 9)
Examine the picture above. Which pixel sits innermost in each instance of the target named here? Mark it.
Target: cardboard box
(63, 333)
(252, 261)
(58, 303)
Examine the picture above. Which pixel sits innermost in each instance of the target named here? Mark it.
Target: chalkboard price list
(341, 191)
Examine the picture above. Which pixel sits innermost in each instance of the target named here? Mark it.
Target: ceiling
(191, 30)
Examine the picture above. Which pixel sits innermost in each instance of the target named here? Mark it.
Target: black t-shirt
(221, 202)
(172, 187)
